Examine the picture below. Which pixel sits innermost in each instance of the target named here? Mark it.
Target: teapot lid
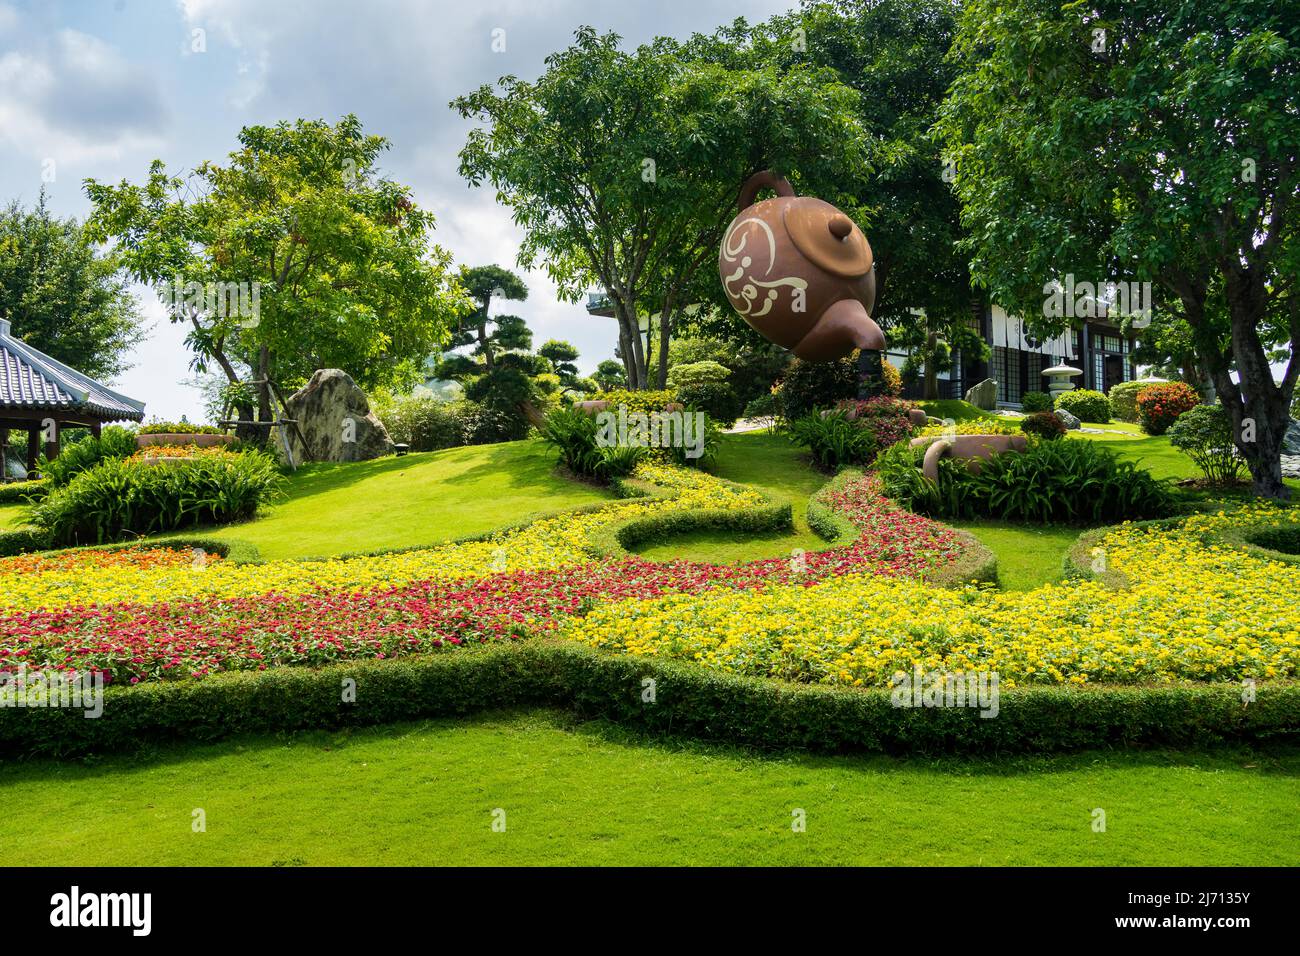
(815, 228)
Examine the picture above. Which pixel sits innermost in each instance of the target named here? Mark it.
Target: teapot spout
(843, 327)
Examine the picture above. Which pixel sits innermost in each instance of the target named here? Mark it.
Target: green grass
(954, 408)
(773, 464)
(12, 516)
(413, 500)
(1029, 556)
(424, 794)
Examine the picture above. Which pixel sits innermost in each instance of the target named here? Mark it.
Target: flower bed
(1192, 610)
(315, 612)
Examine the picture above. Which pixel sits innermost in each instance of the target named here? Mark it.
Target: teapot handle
(762, 180)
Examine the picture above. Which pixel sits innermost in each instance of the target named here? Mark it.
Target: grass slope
(424, 794)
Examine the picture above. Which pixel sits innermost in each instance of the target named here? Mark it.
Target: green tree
(330, 263)
(610, 375)
(61, 295)
(894, 54)
(1144, 140)
(563, 357)
(485, 283)
(623, 167)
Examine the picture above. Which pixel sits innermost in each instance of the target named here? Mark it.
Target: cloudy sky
(99, 89)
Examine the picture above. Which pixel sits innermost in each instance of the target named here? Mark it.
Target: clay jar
(800, 272)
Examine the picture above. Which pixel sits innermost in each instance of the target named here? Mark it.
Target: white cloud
(75, 99)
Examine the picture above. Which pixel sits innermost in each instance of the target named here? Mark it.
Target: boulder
(335, 418)
(1070, 421)
(1291, 440)
(984, 395)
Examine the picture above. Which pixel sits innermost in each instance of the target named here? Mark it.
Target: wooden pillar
(33, 448)
(52, 447)
(1085, 357)
(4, 454)
(95, 428)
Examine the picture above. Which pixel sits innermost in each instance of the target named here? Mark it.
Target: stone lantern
(1059, 378)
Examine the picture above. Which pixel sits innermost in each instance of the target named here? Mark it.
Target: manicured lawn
(1028, 556)
(413, 500)
(424, 793)
(774, 465)
(12, 516)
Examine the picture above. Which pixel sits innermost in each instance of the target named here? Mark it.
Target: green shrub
(1085, 405)
(117, 498)
(1124, 400)
(703, 386)
(1044, 425)
(709, 446)
(1160, 405)
(887, 418)
(834, 440)
(423, 422)
(575, 435)
(646, 400)
(1032, 402)
(762, 408)
(692, 702)
(113, 443)
(854, 431)
(1204, 434)
(809, 386)
(1053, 482)
(179, 428)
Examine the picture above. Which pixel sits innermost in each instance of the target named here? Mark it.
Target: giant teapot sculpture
(801, 273)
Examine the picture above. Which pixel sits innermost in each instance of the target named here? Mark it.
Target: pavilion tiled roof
(31, 381)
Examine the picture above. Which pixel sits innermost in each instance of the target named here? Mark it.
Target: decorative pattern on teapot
(800, 272)
(733, 246)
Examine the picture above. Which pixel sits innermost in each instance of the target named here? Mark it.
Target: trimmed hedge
(1085, 404)
(689, 701)
(240, 552)
(24, 541)
(620, 537)
(22, 492)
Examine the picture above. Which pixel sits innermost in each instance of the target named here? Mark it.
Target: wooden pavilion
(41, 396)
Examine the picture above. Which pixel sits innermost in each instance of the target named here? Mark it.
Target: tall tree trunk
(484, 345)
(264, 393)
(666, 319)
(244, 411)
(634, 354)
(1260, 409)
(625, 353)
(638, 353)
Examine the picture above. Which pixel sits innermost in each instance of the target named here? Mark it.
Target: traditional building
(41, 396)
(1017, 359)
(1096, 346)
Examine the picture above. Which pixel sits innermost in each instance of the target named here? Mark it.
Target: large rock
(1068, 419)
(336, 420)
(984, 395)
(1291, 440)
